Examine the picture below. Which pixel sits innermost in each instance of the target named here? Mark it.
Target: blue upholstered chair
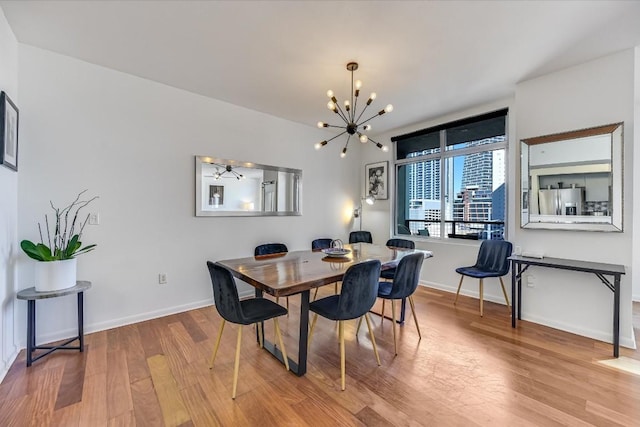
(404, 284)
(360, 236)
(492, 262)
(359, 292)
(396, 243)
(319, 244)
(243, 312)
(272, 249)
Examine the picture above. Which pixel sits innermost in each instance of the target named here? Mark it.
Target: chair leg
(335, 288)
(382, 313)
(459, 286)
(313, 325)
(342, 363)
(260, 336)
(359, 323)
(481, 298)
(415, 318)
(315, 294)
(215, 348)
(287, 306)
(236, 364)
(373, 339)
(393, 318)
(504, 291)
(276, 324)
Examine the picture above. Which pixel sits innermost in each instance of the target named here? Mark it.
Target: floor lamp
(357, 212)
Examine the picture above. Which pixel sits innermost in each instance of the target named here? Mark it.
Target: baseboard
(6, 365)
(123, 321)
(628, 342)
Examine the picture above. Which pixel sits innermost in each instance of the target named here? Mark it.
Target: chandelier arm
(347, 143)
(376, 143)
(361, 113)
(355, 105)
(370, 118)
(334, 126)
(340, 134)
(342, 114)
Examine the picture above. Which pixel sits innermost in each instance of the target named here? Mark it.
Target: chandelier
(353, 125)
(227, 169)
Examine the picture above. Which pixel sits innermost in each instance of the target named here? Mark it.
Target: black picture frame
(9, 116)
(376, 181)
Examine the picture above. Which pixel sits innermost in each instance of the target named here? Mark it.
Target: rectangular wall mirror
(573, 180)
(237, 188)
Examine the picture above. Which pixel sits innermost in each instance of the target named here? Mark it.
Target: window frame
(442, 156)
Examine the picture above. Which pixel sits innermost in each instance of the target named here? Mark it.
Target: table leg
(261, 324)
(616, 316)
(81, 320)
(304, 333)
(519, 290)
(513, 294)
(31, 330)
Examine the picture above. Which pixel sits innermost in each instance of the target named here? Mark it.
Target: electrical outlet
(162, 278)
(94, 219)
(531, 281)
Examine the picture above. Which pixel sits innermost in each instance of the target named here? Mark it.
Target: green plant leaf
(72, 247)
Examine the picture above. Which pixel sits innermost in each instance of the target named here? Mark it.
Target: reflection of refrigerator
(563, 201)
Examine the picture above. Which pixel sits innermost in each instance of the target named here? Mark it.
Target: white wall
(635, 156)
(595, 93)
(8, 206)
(132, 142)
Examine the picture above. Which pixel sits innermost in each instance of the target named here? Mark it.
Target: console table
(599, 269)
(31, 295)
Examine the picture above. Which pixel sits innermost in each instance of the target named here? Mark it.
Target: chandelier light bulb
(358, 84)
(347, 103)
(367, 127)
(331, 106)
(388, 108)
(385, 148)
(321, 124)
(364, 139)
(373, 96)
(344, 153)
(330, 93)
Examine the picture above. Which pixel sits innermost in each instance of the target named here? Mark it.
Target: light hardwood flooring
(466, 371)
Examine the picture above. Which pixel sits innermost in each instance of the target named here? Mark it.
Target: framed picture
(377, 180)
(8, 132)
(216, 195)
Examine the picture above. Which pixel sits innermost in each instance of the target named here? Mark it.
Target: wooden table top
(293, 272)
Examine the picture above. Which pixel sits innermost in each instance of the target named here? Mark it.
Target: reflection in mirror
(573, 180)
(234, 188)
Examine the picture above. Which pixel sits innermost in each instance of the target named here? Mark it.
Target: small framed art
(8, 132)
(377, 180)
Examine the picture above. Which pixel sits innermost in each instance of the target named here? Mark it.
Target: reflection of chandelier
(227, 169)
(352, 124)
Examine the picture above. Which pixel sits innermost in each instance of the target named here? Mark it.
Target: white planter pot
(55, 275)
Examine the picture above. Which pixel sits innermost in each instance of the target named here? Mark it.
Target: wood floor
(465, 371)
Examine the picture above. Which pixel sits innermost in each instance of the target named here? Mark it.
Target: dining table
(299, 272)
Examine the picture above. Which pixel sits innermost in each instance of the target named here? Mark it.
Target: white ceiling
(279, 57)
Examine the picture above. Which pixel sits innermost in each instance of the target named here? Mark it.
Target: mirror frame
(200, 160)
(615, 131)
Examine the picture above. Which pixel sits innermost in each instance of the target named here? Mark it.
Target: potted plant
(57, 254)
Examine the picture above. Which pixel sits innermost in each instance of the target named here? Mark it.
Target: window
(451, 179)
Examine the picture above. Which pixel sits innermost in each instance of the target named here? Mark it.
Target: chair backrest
(403, 229)
(407, 276)
(401, 243)
(359, 290)
(493, 256)
(321, 244)
(225, 294)
(360, 236)
(270, 248)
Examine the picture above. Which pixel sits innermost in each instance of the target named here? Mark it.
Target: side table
(31, 295)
